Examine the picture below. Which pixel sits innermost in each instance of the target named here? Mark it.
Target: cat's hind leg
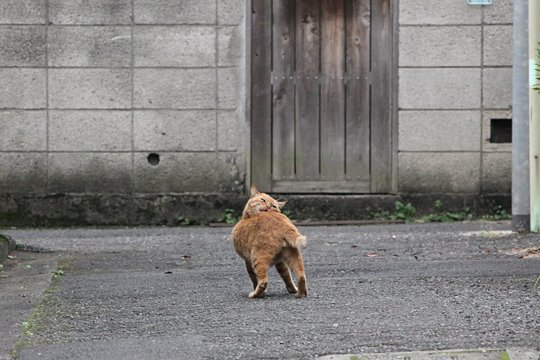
(296, 264)
(251, 273)
(260, 267)
(285, 274)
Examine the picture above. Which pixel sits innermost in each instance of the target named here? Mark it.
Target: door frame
(393, 97)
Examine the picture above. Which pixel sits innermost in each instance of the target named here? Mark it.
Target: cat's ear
(253, 191)
(281, 204)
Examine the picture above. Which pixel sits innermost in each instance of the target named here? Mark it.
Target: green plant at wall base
(536, 87)
(446, 216)
(229, 217)
(404, 212)
(184, 221)
(289, 214)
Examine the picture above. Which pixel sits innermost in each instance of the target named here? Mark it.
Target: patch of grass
(440, 215)
(30, 326)
(27, 328)
(407, 213)
(48, 307)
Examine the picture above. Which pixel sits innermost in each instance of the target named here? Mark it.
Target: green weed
(440, 215)
(536, 86)
(229, 217)
(402, 211)
(498, 213)
(184, 221)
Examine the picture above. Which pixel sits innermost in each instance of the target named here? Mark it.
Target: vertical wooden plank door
(320, 96)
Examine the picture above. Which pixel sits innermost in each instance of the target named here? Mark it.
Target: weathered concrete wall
(89, 89)
(133, 111)
(454, 77)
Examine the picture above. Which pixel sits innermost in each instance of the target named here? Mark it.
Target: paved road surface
(181, 293)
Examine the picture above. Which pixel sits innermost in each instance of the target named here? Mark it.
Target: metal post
(520, 119)
(534, 103)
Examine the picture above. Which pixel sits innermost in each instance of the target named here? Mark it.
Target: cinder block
(230, 46)
(23, 12)
(23, 173)
(497, 172)
(182, 46)
(439, 46)
(439, 130)
(231, 134)
(436, 12)
(23, 130)
(170, 130)
(231, 172)
(498, 45)
(497, 91)
(175, 11)
(500, 12)
(93, 46)
(486, 130)
(90, 172)
(23, 88)
(231, 12)
(443, 88)
(426, 172)
(229, 88)
(177, 173)
(89, 88)
(89, 130)
(102, 12)
(175, 88)
(22, 45)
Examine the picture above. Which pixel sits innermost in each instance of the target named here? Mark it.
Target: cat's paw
(292, 289)
(259, 291)
(255, 295)
(301, 295)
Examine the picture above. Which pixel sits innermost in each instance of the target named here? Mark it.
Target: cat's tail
(299, 242)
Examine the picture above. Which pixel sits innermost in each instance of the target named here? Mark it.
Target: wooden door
(321, 96)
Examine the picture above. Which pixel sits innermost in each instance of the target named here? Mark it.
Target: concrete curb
(7, 244)
(478, 354)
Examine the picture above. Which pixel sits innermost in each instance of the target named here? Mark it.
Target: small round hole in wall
(153, 159)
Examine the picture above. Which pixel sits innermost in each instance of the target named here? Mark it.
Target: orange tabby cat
(265, 237)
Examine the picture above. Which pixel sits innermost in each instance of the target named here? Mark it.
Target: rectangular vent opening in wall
(501, 131)
(479, 2)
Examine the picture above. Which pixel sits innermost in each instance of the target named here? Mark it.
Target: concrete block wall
(89, 89)
(455, 76)
(93, 93)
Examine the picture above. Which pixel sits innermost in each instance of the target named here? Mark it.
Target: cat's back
(265, 222)
(266, 227)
